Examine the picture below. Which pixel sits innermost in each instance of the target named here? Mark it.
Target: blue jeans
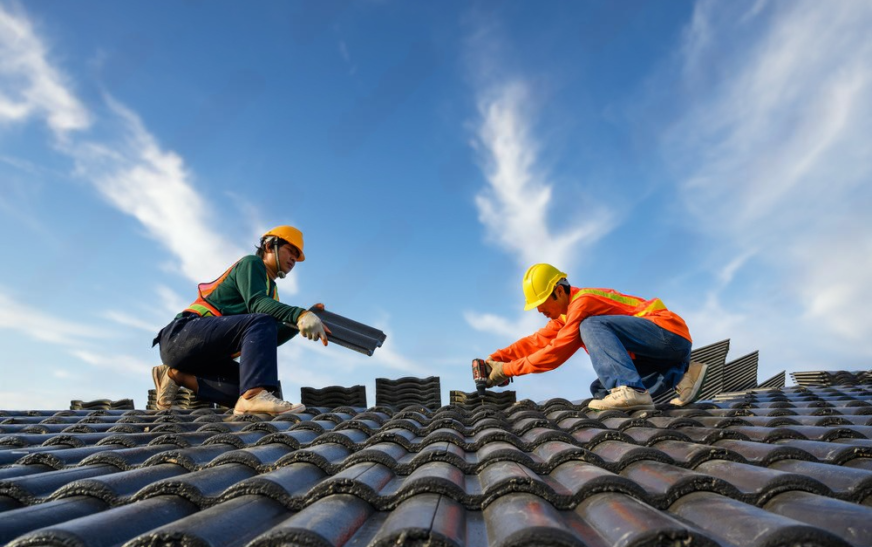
(204, 346)
(661, 360)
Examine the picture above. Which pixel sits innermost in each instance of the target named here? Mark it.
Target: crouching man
(636, 346)
(237, 315)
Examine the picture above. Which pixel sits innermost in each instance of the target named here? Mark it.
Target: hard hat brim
(534, 305)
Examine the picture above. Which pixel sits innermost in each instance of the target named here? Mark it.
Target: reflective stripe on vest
(204, 309)
(653, 305)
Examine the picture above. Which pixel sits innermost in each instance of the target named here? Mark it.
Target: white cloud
(115, 363)
(126, 319)
(525, 325)
(31, 85)
(153, 185)
(172, 302)
(773, 151)
(127, 166)
(514, 208)
(41, 325)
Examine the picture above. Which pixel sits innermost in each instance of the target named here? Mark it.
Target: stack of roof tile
(741, 374)
(826, 378)
(768, 467)
(779, 380)
(102, 404)
(403, 392)
(333, 396)
(472, 400)
(185, 400)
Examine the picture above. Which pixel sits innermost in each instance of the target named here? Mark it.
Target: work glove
(496, 374)
(311, 327)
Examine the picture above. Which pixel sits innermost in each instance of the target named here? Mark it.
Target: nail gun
(480, 373)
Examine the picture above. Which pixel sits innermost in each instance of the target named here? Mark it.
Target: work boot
(266, 403)
(623, 398)
(688, 389)
(165, 388)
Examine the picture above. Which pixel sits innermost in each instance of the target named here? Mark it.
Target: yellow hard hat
(289, 234)
(539, 282)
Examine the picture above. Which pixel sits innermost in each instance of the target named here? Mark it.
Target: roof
(757, 468)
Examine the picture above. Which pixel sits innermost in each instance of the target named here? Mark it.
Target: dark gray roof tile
(618, 455)
(665, 483)
(116, 488)
(31, 489)
(202, 488)
(849, 521)
(17, 522)
(436, 474)
(621, 520)
(758, 527)
(330, 522)
(219, 525)
(759, 484)
(763, 454)
(287, 485)
(847, 483)
(103, 529)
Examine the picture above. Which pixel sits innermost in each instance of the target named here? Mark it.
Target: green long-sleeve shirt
(247, 289)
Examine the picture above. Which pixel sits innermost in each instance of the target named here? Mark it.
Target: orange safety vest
(557, 341)
(654, 310)
(203, 308)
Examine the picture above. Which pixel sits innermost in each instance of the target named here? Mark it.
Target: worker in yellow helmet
(636, 346)
(238, 314)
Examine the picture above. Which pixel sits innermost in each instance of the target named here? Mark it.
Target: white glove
(311, 327)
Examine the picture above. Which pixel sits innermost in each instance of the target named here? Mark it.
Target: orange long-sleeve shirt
(557, 341)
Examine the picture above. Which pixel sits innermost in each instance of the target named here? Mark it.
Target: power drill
(480, 373)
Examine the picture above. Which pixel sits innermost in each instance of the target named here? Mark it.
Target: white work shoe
(623, 398)
(265, 403)
(688, 389)
(164, 387)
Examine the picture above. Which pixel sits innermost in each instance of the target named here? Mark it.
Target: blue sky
(713, 154)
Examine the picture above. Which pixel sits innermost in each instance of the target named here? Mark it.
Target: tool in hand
(480, 374)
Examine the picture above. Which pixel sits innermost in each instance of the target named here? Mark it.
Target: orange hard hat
(289, 234)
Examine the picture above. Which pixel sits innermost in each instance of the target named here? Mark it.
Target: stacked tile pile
(185, 400)
(333, 396)
(102, 404)
(763, 468)
(501, 400)
(408, 391)
(827, 378)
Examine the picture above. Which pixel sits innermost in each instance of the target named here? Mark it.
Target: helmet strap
(279, 273)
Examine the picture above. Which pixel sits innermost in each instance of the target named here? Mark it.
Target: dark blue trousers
(661, 359)
(204, 346)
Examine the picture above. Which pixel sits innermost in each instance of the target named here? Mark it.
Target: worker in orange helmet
(238, 314)
(636, 346)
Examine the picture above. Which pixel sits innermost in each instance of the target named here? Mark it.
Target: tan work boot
(688, 389)
(623, 398)
(165, 388)
(266, 403)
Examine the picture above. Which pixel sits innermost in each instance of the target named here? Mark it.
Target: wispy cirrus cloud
(31, 85)
(773, 153)
(514, 207)
(41, 325)
(125, 164)
(153, 185)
